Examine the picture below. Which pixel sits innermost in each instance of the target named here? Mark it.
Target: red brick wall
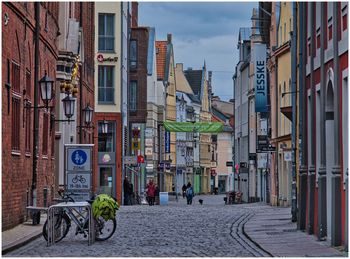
(18, 45)
(140, 75)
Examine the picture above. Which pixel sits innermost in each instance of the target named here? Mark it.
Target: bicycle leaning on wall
(63, 218)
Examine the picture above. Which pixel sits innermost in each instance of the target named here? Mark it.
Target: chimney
(180, 66)
(134, 14)
(169, 38)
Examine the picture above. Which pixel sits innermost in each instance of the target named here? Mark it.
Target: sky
(201, 31)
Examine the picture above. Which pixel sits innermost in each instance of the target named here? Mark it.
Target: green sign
(201, 127)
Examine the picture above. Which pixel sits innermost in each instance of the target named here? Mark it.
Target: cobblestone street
(179, 230)
(174, 230)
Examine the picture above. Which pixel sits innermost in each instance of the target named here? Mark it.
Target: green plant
(104, 206)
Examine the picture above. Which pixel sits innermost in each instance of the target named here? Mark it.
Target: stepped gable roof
(161, 51)
(244, 34)
(194, 78)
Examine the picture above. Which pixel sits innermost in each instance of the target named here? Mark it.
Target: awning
(201, 127)
(287, 111)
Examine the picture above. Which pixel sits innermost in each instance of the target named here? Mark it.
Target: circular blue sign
(79, 157)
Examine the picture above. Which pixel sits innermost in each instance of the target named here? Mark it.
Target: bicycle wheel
(104, 229)
(62, 225)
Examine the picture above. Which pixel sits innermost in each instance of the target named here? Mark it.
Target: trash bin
(36, 217)
(163, 198)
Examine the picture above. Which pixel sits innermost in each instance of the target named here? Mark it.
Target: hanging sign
(260, 79)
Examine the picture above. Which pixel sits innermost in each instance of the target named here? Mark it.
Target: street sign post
(78, 170)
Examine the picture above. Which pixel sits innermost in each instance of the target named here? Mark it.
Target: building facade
(324, 88)
(111, 64)
(24, 184)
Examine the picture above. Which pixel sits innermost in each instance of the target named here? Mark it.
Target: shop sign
(213, 172)
(101, 58)
(260, 79)
(167, 142)
(149, 151)
(149, 142)
(130, 160)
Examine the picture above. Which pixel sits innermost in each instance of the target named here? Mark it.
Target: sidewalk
(273, 230)
(21, 235)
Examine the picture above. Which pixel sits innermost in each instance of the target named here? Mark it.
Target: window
(16, 103)
(133, 96)
(16, 78)
(345, 22)
(45, 133)
(106, 84)
(106, 140)
(106, 32)
(28, 130)
(133, 54)
(28, 84)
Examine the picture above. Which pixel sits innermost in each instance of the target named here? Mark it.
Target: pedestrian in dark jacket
(189, 193)
(184, 191)
(127, 191)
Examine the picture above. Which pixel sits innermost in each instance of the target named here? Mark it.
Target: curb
(20, 244)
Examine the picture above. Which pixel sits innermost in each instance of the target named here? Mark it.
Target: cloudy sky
(201, 31)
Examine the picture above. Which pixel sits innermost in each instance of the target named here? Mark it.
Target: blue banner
(167, 142)
(260, 79)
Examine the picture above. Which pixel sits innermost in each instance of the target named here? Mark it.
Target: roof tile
(161, 48)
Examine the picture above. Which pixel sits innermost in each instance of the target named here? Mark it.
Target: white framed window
(106, 32)
(106, 84)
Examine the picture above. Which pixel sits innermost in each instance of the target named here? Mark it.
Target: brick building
(57, 52)
(18, 69)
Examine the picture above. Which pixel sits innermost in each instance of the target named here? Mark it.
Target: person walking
(127, 190)
(189, 193)
(151, 191)
(157, 195)
(184, 191)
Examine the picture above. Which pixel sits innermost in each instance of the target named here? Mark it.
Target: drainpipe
(302, 122)
(312, 169)
(81, 83)
(322, 172)
(294, 112)
(36, 111)
(336, 171)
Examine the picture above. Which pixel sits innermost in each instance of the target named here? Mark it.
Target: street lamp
(104, 127)
(68, 106)
(46, 89)
(88, 111)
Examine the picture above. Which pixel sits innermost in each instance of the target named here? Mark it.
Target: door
(106, 180)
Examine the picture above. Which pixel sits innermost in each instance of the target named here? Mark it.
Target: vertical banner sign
(260, 80)
(167, 142)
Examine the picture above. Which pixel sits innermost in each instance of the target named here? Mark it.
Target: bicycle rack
(63, 205)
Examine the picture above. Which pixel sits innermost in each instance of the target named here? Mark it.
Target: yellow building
(284, 104)
(166, 73)
(199, 84)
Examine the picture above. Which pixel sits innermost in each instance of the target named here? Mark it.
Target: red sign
(237, 168)
(100, 58)
(140, 159)
(213, 172)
